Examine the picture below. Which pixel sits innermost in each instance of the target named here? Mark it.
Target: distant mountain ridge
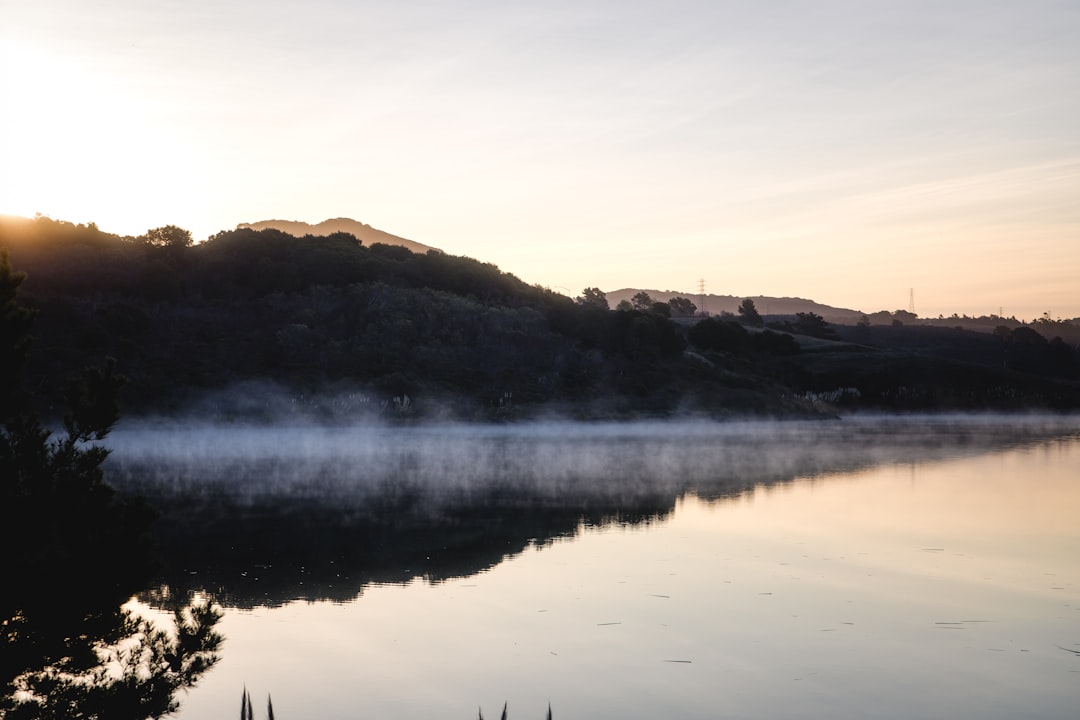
(363, 232)
(716, 304)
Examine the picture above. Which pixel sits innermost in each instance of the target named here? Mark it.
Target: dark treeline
(396, 332)
(74, 551)
(396, 329)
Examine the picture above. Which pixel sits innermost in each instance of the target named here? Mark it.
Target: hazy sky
(840, 150)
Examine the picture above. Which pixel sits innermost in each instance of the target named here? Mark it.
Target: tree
(15, 323)
(63, 529)
(682, 307)
(641, 301)
(748, 313)
(57, 515)
(812, 324)
(1026, 336)
(594, 297)
(661, 309)
(905, 317)
(169, 236)
(716, 334)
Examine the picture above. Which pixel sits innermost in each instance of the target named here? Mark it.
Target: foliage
(63, 526)
(731, 337)
(813, 325)
(748, 313)
(641, 301)
(15, 323)
(682, 307)
(593, 297)
(716, 334)
(122, 666)
(55, 509)
(169, 236)
(320, 314)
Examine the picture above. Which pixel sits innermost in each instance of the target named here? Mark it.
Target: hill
(717, 304)
(254, 323)
(364, 233)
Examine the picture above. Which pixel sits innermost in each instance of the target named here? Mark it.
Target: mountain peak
(766, 305)
(362, 231)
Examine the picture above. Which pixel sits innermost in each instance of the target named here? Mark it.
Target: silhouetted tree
(56, 511)
(594, 297)
(682, 307)
(904, 317)
(716, 334)
(1026, 336)
(169, 236)
(641, 301)
(63, 529)
(812, 324)
(773, 343)
(748, 313)
(15, 323)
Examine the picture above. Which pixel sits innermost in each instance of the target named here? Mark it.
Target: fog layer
(264, 515)
(543, 460)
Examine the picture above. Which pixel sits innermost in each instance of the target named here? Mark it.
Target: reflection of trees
(109, 664)
(269, 552)
(277, 526)
(74, 551)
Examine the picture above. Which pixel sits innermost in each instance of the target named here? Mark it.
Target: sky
(845, 151)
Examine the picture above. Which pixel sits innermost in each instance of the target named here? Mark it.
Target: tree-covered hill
(362, 231)
(327, 317)
(718, 304)
(253, 321)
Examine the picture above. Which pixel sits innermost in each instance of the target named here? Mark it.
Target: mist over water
(893, 566)
(540, 461)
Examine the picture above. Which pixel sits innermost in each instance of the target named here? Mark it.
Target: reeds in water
(247, 710)
(504, 715)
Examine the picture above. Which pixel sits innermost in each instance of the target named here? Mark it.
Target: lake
(864, 568)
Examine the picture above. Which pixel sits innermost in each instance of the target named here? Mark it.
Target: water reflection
(263, 516)
(947, 593)
(78, 659)
(698, 554)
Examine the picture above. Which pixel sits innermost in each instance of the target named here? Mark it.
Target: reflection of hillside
(272, 552)
(322, 521)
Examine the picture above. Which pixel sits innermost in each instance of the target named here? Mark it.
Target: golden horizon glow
(842, 156)
(79, 148)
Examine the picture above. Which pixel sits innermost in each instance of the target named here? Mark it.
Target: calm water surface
(908, 572)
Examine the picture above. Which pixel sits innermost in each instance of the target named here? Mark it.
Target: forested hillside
(252, 322)
(363, 232)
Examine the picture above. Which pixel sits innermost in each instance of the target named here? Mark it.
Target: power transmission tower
(911, 301)
(701, 292)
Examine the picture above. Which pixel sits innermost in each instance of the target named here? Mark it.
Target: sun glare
(77, 147)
